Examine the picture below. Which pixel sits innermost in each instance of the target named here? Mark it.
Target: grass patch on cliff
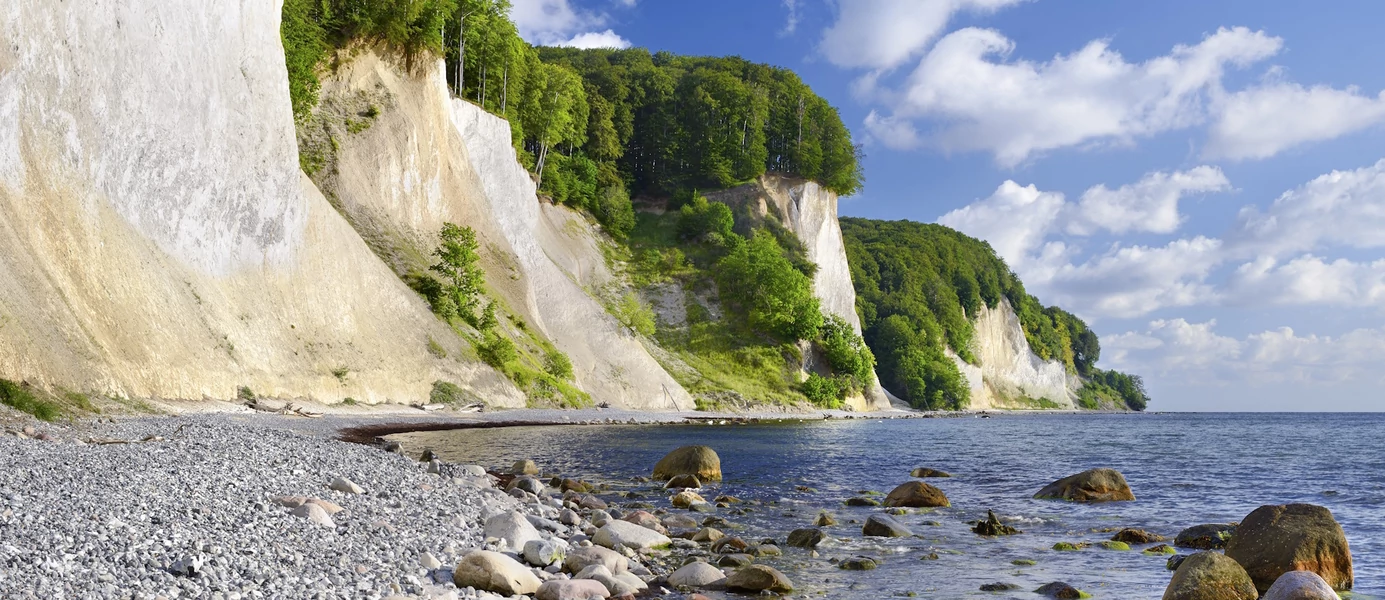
(24, 399)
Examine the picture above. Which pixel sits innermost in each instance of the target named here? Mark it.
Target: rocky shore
(267, 506)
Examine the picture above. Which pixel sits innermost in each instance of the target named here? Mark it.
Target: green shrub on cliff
(758, 281)
(22, 399)
(463, 282)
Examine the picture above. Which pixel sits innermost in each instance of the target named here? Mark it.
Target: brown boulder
(1092, 485)
(1136, 536)
(916, 494)
(1273, 540)
(757, 578)
(1210, 576)
(701, 461)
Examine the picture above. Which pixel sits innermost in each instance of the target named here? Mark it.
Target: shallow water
(1185, 469)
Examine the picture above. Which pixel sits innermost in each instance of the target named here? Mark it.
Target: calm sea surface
(1185, 469)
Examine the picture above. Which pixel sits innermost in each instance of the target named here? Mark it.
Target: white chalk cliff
(810, 212)
(1010, 375)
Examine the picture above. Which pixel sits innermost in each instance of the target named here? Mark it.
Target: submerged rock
(807, 537)
(758, 578)
(1300, 585)
(857, 563)
(999, 586)
(1093, 485)
(916, 494)
(824, 520)
(1212, 536)
(1136, 536)
(701, 461)
(884, 526)
(993, 527)
(1160, 550)
(1060, 590)
(1274, 540)
(926, 472)
(862, 501)
(1210, 576)
(494, 572)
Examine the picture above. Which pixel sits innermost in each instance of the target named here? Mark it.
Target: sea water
(1185, 469)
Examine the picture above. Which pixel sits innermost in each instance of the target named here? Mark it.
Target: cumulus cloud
(1262, 121)
(1149, 205)
(594, 39)
(1015, 109)
(558, 23)
(1341, 208)
(883, 34)
(1269, 257)
(1177, 348)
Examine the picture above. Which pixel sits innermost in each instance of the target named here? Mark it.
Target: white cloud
(1014, 220)
(892, 132)
(1341, 208)
(1309, 280)
(1149, 205)
(1260, 122)
(1194, 351)
(593, 39)
(790, 21)
(558, 23)
(1130, 281)
(883, 34)
(1015, 109)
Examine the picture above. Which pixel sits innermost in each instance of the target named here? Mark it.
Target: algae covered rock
(1210, 576)
(1060, 590)
(993, 527)
(1274, 540)
(1136, 536)
(807, 537)
(1092, 485)
(916, 494)
(701, 461)
(1212, 536)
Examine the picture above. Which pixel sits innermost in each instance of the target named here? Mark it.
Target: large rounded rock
(572, 589)
(1093, 485)
(513, 528)
(884, 526)
(581, 558)
(630, 535)
(916, 494)
(1300, 585)
(1274, 540)
(685, 499)
(494, 572)
(695, 575)
(1212, 536)
(758, 578)
(1210, 576)
(701, 461)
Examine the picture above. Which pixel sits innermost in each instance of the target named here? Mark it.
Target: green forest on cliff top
(600, 126)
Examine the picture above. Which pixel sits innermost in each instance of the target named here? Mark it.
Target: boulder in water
(701, 461)
(685, 481)
(824, 520)
(807, 537)
(1300, 585)
(916, 494)
(862, 501)
(1210, 576)
(1136, 536)
(857, 563)
(993, 527)
(1092, 485)
(884, 526)
(1274, 540)
(926, 472)
(524, 467)
(758, 578)
(1060, 590)
(686, 499)
(1212, 536)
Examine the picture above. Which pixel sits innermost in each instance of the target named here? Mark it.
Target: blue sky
(1204, 182)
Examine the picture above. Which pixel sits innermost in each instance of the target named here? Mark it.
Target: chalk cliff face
(428, 159)
(1010, 374)
(157, 238)
(809, 211)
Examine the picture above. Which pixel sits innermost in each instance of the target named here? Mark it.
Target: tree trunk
(505, 91)
(461, 57)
